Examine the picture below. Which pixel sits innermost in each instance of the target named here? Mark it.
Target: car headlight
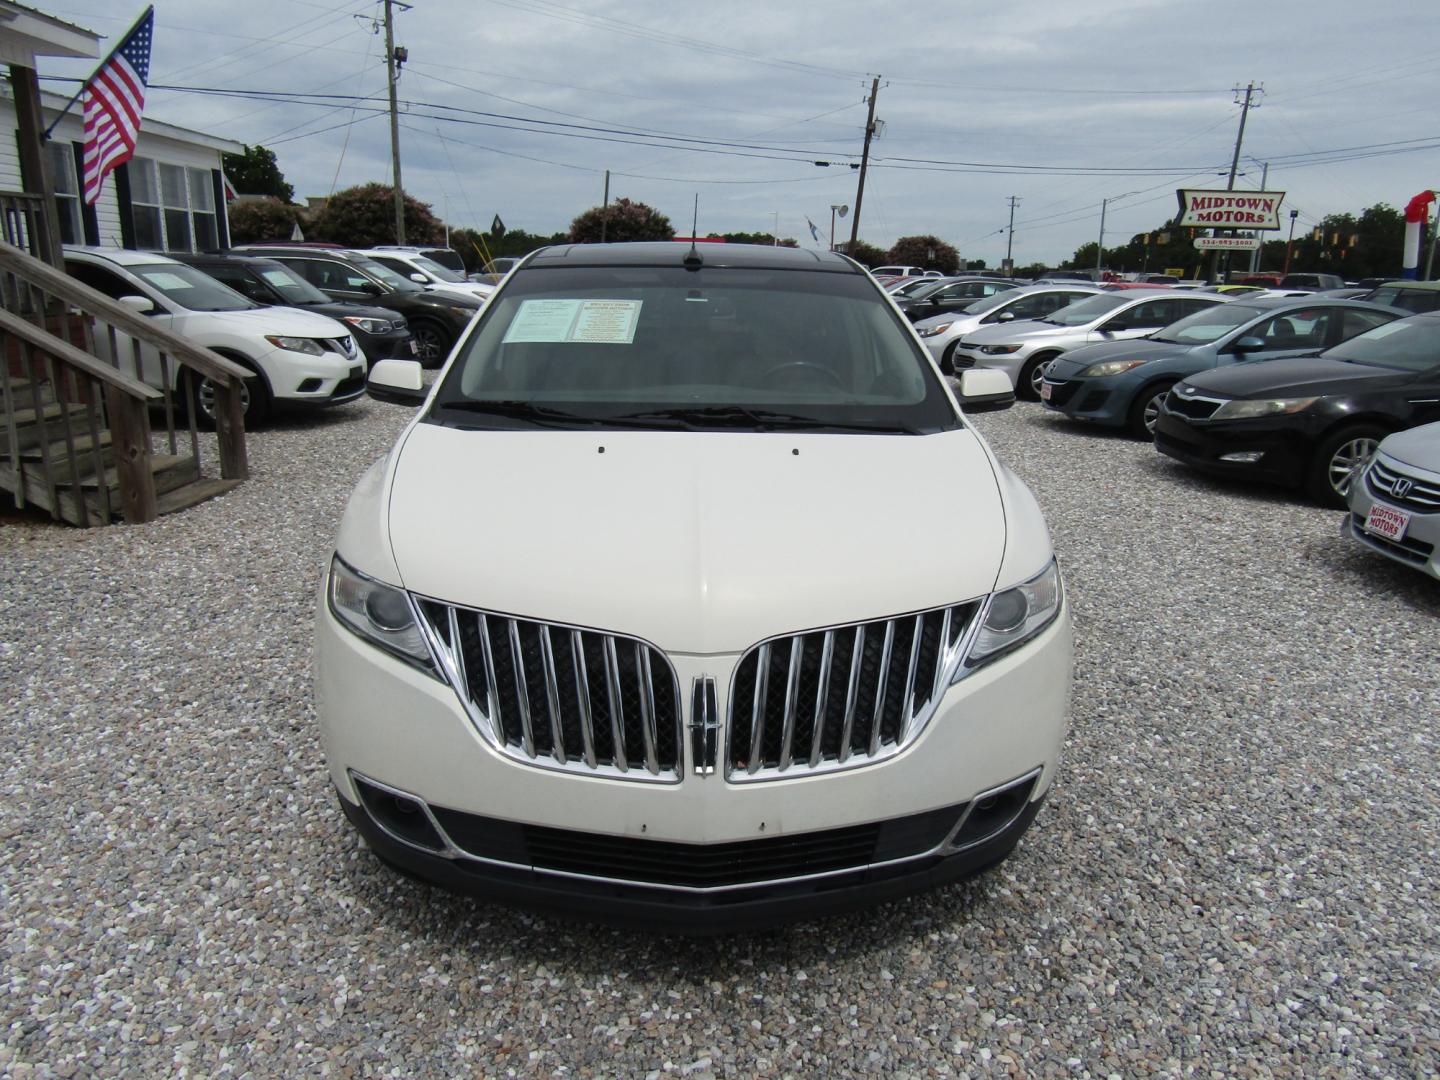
(379, 613)
(296, 344)
(462, 312)
(1112, 367)
(999, 350)
(1249, 410)
(1014, 616)
(368, 326)
(931, 331)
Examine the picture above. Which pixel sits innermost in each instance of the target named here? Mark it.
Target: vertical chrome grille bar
(457, 654)
(647, 707)
(522, 692)
(552, 693)
(882, 686)
(822, 698)
(757, 716)
(852, 692)
(493, 694)
(942, 653)
(792, 689)
(617, 710)
(582, 695)
(906, 709)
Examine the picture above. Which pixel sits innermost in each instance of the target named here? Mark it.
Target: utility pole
(1245, 108)
(1100, 244)
(1290, 244)
(1010, 239)
(605, 209)
(392, 70)
(864, 163)
(1255, 255)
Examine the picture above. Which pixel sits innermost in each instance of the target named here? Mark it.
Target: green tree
(623, 221)
(364, 216)
(254, 220)
(764, 239)
(471, 243)
(929, 252)
(865, 254)
(255, 172)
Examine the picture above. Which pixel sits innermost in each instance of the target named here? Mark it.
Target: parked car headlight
(1014, 616)
(1112, 367)
(999, 350)
(1249, 410)
(931, 331)
(462, 312)
(368, 326)
(296, 344)
(379, 613)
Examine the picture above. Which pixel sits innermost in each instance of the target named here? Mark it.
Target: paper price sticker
(609, 322)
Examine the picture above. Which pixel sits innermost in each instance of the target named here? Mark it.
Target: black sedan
(950, 295)
(1308, 422)
(381, 333)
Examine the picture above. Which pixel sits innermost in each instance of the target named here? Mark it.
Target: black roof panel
(672, 253)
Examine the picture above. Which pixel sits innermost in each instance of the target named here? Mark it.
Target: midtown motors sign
(1230, 209)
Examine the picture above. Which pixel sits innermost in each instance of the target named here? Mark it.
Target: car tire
(432, 342)
(1335, 460)
(1027, 384)
(947, 359)
(255, 398)
(1145, 409)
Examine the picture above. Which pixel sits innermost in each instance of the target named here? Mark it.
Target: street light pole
(1100, 244)
(1290, 243)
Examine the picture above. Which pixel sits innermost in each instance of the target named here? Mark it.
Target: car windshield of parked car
(1207, 325)
(192, 289)
(388, 277)
(1411, 344)
(434, 269)
(1087, 311)
(291, 286)
(1416, 300)
(670, 348)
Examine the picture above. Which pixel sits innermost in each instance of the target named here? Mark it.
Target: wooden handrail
(207, 363)
(63, 351)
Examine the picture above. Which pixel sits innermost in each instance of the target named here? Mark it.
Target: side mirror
(1249, 343)
(371, 289)
(397, 381)
(1005, 316)
(419, 278)
(141, 305)
(984, 390)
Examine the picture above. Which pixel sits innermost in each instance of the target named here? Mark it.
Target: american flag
(114, 100)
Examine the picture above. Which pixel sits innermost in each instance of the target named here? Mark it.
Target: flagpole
(108, 56)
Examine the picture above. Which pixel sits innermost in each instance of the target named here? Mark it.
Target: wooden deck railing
(22, 223)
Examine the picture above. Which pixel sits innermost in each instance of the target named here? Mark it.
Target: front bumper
(1085, 399)
(1418, 548)
(297, 378)
(407, 732)
(392, 345)
(1285, 452)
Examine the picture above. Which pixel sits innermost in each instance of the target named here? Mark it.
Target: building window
(173, 206)
(67, 191)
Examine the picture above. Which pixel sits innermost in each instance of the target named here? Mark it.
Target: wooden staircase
(75, 432)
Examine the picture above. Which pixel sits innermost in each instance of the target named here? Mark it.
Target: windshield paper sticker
(610, 322)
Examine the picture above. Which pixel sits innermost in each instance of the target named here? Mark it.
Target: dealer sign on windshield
(1230, 209)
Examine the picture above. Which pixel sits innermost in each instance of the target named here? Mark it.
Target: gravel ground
(1234, 876)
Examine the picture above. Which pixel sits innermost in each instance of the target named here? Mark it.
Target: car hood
(338, 309)
(699, 542)
(1300, 376)
(280, 321)
(1022, 330)
(1077, 360)
(471, 290)
(1418, 446)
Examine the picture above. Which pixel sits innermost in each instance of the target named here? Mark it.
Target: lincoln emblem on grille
(704, 727)
(1401, 487)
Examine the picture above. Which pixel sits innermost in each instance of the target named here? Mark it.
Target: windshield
(388, 277)
(434, 269)
(1411, 344)
(1208, 324)
(290, 285)
(930, 285)
(192, 289)
(1087, 311)
(668, 348)
(1413, 300)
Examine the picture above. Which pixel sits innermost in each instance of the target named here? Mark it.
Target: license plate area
(1045, 391)
(1387, 523)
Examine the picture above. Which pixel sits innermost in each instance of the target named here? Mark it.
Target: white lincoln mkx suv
(653, 612)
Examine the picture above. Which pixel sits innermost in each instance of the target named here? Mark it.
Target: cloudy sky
(516, 107)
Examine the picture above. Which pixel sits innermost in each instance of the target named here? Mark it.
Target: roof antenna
(693, 261)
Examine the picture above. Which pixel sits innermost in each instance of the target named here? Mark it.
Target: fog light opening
(309, 386)
(400, 815)
(1243, 457)
(994, 812)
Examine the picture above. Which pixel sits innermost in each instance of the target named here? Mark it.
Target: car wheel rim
(1037, 376)
(427, 344)
(1151, 415)
(1346, 460)
(206, 395)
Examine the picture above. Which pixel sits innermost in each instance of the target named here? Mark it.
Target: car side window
(315, 271)
(1295, 329)
(1354, 322)
(1155, 313)
(241, 282)
(97, 277)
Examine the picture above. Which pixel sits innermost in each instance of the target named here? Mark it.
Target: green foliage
(863, 253)
(470, 243)
(764, 239)
(364, 216)
(254, 220)
(622, 221)
(255, 172)
(928, 252)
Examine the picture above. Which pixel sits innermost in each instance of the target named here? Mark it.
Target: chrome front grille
(1401, 489)
(846, 696)
(562, 697)
(1196, 408)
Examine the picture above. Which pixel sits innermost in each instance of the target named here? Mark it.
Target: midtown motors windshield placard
(1229, 209)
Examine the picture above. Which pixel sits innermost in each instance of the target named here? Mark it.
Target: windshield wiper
(545, 415)
(763, 419)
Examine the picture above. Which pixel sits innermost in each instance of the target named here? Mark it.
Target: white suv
(653, 612)
(299, 358)
(423, 270)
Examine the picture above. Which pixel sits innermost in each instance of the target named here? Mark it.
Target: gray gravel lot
(1235, 876)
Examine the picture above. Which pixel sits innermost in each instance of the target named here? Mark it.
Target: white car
(1395, 510)
(654, 612)
(424, 270)
(1022, 349)
(299, 358)
(942, 333)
